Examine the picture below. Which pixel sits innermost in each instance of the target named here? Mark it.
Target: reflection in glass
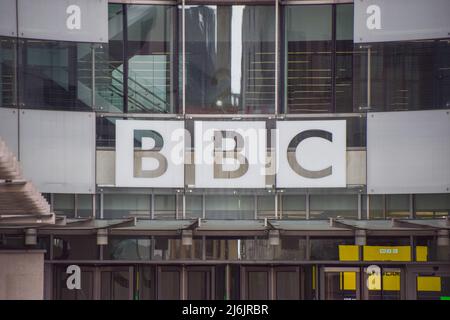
(308, 66)
(64, 204)
(109, 79)
(333, 206)
(293, 206)
(229, 207)
(397, 205)
(432, 205)
(408, 75)
(7, 71)
(150, 51)
(56, 75)
(344, 58)
(230, 59)
(116, 206)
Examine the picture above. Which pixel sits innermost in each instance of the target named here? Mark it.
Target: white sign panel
(311, 154)
(149, 153)
(230, 154)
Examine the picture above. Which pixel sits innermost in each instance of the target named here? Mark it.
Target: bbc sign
(231, 154)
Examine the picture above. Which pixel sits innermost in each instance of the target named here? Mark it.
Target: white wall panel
(408, 152)
(57, 150)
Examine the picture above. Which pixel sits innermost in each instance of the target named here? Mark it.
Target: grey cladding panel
(8, 18)
(66, 20)
(408, 152)
(395, 20)
(57, 150)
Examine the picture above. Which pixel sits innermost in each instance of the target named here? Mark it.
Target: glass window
(411, 75)
(432, 205)
(109, 78)
(64, 204)
(328, 248)
(7, 71)
(344, 58)
(55, 75)
(229, 207)
(194, 206)
(266, 206)
(230, 59)
(308, 58)
(333, 206)
(116, 206)
(157, 248)
(165, 206)
(150, 52)
(84, 205)
(376, 207)
(106, 131)
(397, 205)
(293, 206)
(75, 248)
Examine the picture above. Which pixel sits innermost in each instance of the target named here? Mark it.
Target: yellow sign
(387, 253)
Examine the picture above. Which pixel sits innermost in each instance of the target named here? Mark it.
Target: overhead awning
(234, 228)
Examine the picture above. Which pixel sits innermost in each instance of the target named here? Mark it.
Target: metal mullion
(333, 59)
(125, 56)
(277, 57)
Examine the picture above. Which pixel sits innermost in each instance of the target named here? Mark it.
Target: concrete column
(360, 237)
(443, 245)
(22, 274)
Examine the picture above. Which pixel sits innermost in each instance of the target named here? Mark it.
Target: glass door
(169, 283)
(339, 283)
(255, 284)
(288, 283)
(431, 283)
(199, 283)
(382, 283)
(116, 283)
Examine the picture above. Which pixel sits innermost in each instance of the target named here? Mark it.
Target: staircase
(20, 202)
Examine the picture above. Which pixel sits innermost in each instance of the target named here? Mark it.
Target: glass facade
(230, 59)
(238, 61)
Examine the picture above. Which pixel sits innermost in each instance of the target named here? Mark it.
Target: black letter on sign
(140, 153)
(293, 147)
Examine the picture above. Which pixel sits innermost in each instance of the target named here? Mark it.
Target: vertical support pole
(227, 282)
(255, 202)
(276, 205)
(307, 207)
(101, 205)
(369, 77)
(203, 206)
(183, 58)
(93, 76)
(94, 205)
(277, 7)
(152, 206)
(367, 206)
(359, 206)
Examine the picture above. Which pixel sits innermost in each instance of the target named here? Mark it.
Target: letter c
(292, 160)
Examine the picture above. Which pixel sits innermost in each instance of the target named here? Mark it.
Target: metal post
(307, 207)
(93, 76)
(369, 76)
(183, 46)
(359, 206)
(276, 56)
